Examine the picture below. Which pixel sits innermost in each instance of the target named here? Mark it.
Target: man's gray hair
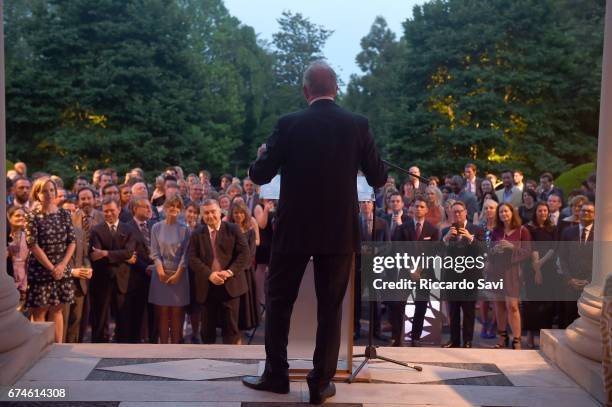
(210, 201)
(320, 79)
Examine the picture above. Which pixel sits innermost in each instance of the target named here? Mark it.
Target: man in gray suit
(76, 314)
(510, 193)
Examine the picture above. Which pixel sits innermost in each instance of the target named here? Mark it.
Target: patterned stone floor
(208, 375)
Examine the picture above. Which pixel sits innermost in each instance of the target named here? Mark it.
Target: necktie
(86, 225)
(216, 266)
(113, 229)
(418, 230)
(145, 233)
(583, 238)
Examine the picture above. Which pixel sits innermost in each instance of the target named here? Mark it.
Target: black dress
(262, 254)
(526, 214)
(53, 232)
(248, 317)
(539, 304)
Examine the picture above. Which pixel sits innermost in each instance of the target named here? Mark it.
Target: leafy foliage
(502, 84)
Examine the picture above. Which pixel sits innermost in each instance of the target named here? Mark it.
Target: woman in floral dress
(50, 238)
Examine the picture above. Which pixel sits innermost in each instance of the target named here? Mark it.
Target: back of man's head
(320, 79)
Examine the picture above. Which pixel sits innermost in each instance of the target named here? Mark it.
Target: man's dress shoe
(450, 345)
(318, 395)
(261, 383)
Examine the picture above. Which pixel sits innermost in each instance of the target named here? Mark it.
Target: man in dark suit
(472, 182)
(418, 186)
(547, 187)
(399, 215)
(460, 194)
(415, 230)
(218, 257)
(319, 149)
(251, 197)
(576, 257)
(112, 250)
(462, 239)
(142, 223)
(382, 234)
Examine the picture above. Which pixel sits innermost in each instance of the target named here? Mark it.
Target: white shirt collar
(116, 224)
(320, 98)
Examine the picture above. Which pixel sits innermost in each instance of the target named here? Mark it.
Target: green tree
(117, 83)
(501, 84)
(375, 92)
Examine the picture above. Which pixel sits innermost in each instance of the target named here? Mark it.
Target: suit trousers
(220, 305)
(469, 315)
(331, 276)
(100, 300)
(72, 317)
(128, 309)
(420, 309)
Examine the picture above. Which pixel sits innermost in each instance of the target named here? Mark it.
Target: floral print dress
(53, 232)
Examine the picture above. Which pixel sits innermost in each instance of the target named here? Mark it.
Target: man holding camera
(462, 239)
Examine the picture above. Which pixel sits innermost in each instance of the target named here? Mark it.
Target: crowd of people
(122, 260)
(524, 226)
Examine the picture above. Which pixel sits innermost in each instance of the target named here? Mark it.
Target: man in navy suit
(462, 239)
(382, 234)
(319, 149)
(414, 230)
(142, 223)
(114, 283)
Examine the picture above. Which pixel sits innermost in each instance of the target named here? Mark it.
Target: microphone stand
(370, 350)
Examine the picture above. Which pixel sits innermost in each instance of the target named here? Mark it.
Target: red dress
(507, 265)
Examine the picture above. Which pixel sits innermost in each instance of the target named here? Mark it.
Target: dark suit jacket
(478, 192)
(388, 217)
(382, 231)
(407, 232)
(319, 151)
(255, 201)
(125, 215)
(462, 247)
(142, 251)
(120, 248)
(576, 259)
(232, 253)
(555, 190)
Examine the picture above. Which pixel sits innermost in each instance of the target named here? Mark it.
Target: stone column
(584, 335)
(16, 332)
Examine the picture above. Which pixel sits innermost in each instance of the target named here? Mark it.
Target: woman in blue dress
(170, 282)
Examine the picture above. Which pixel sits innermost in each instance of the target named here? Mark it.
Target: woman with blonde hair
(436, 212)
(488, 223)
(50, 238)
